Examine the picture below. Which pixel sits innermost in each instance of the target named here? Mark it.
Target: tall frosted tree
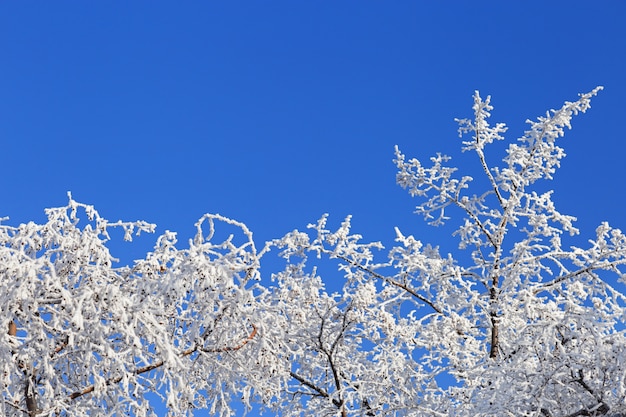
(521, 325)
(514, 323)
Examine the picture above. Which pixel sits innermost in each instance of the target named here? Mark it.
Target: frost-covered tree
(515, 323)
(88, 338)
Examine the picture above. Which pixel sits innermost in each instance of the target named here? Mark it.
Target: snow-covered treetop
(523, 326)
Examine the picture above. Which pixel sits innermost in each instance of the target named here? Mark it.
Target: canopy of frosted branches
(516, 323)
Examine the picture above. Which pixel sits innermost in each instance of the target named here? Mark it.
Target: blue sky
(274, 112)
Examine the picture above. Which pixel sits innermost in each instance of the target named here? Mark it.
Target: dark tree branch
(390, 281)
(319, 390)
(158, 364)
(30, 396)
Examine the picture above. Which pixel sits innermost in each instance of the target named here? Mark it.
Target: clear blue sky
(275, 112)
